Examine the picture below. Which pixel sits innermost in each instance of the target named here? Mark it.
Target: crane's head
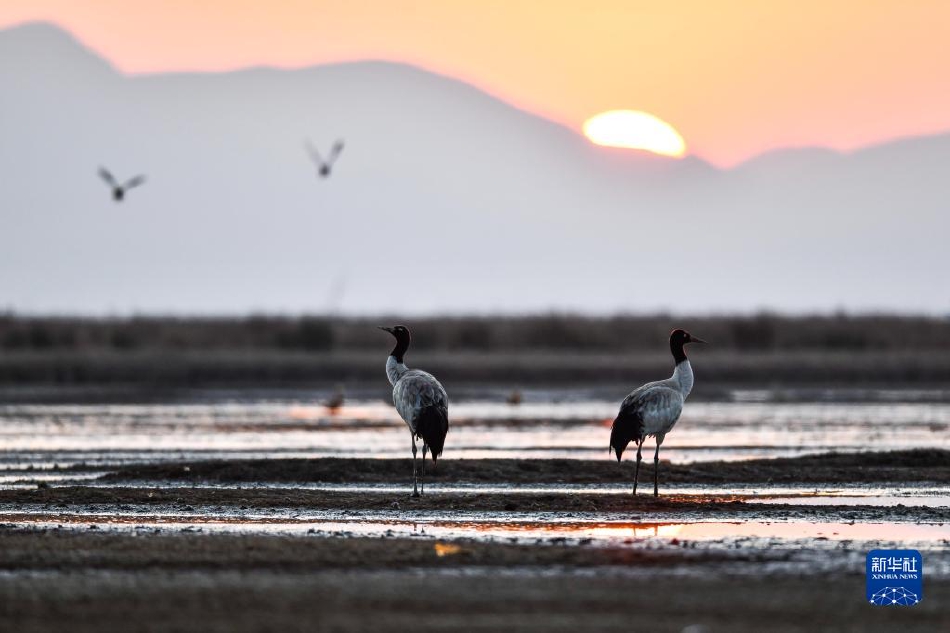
(679, 338)
(403, 338)
(682, 337)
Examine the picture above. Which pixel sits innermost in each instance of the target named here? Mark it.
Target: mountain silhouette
(480, 205)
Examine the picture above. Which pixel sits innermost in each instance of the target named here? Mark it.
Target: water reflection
(613, 532)
(64, 435)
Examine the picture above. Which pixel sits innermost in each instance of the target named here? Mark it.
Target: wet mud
(97, 581)
(255, 545)
(223, 500)
(920, 465)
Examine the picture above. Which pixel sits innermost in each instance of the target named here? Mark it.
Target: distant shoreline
(159, 374)
(156, 356)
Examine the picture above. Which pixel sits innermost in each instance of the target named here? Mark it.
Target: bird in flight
(324, 166)
(118, 191)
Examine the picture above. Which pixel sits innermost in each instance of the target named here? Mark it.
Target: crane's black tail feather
(625, 429)
(432, 425)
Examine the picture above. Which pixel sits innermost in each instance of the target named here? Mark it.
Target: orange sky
(735, 78)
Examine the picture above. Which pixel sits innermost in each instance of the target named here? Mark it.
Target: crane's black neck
(402, 346)
(676, 347)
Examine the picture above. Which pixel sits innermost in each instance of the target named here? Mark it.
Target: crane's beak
(693, 339)
(384, 328)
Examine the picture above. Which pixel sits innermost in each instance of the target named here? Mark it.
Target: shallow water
(855, 495)
(885, 532)
(38, 441)
(43, 436)
(507, 525)
(800, 546)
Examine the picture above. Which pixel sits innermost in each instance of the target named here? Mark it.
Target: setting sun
(635, 130)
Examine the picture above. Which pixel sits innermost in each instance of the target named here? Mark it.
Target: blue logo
(895, 577)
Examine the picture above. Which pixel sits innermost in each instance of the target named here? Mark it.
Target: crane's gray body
(656, 406)
(415, 391)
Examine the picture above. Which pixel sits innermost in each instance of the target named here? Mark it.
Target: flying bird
(420, 400)
(118, 191)
(324, 166)
(653, 409)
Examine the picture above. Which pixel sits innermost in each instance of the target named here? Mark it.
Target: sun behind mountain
(633, 129)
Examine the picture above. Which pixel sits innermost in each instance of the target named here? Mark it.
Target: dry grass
(553, 332)
(719, 369)
(539, 350)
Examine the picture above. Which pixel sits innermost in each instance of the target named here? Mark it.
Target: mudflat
(283, 545)
(106, 581)
(908, 466)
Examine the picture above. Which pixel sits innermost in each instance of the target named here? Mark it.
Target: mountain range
(444, 200)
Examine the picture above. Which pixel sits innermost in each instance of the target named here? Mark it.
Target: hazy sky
(735, 78)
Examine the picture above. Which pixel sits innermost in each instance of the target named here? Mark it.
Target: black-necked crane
(420, 400)
(118, 191)
(653, 409)
(324, 166)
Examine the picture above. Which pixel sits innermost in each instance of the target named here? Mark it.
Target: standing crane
(653, 409)
(420, 400)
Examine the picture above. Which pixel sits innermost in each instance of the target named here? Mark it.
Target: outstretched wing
(312, 152)
(417, 391)
(105, 175)
(335, 151)
(134, 182)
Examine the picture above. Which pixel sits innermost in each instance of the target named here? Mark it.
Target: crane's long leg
(636, 473)
(656, 468)
(425, 447)
(415, 487)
